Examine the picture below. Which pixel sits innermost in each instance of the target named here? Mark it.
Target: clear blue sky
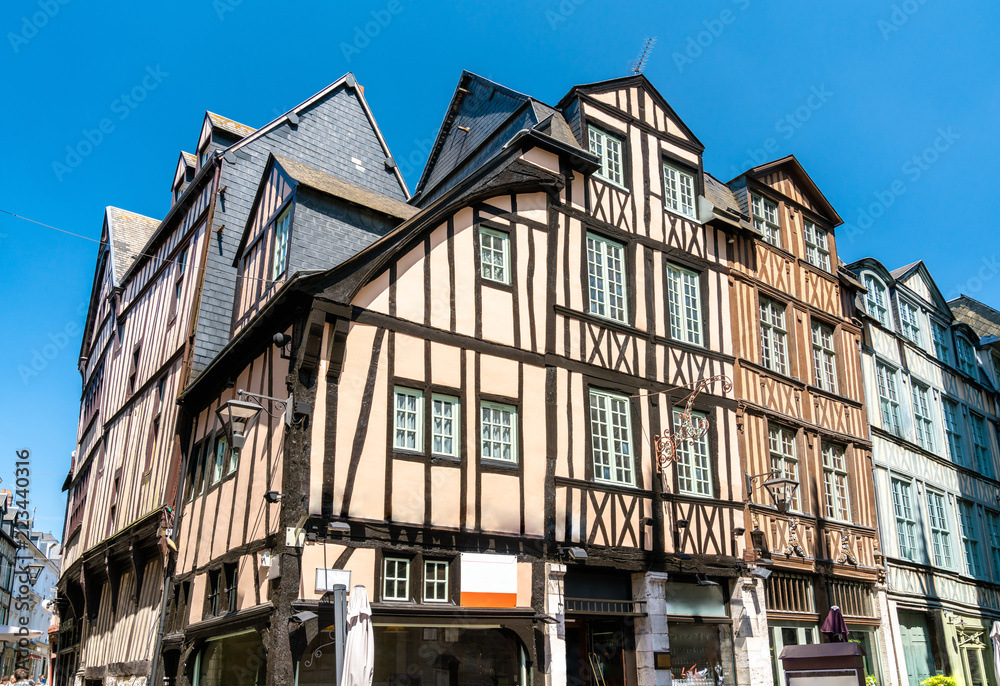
(854, 89)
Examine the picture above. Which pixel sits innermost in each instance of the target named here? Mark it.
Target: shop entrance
(600, 652)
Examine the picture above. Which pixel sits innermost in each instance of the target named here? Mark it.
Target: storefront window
(448, 656)
(701, 654)
(235, 660)
(867, 639)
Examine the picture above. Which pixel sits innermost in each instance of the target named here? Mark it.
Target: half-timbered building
(160, 309)
(933, 412)
(802, 413)
(462, 416)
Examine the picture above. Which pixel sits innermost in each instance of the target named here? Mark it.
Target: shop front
(600, 628)
(701, 632)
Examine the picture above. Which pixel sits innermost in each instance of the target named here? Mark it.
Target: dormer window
(817, 246)
(942, 346)
(765, 220)
(609, 150)
(280, 251)
(908, 320)
(678, 191)
(876, 300)
(204, 155)
(966, 356)
(178, 190)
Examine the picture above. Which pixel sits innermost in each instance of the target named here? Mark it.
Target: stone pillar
(751, 640)
(555, 632)
(651, 631)
(886, 636)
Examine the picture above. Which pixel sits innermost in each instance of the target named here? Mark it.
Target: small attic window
(178, 190)
(204, 155)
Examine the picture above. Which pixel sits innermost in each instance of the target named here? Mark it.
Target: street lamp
(781, 489)
(237, 417)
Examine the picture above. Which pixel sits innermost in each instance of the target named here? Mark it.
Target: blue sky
(891, 107)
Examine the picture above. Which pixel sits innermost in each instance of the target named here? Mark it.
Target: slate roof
(189, 159)
(897, 274)
(983, 319)
(129, 232)
(226, 124)
(330, 184)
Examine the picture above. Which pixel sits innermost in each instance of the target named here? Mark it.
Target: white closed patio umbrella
(14, 633)
(359, 652)
(995, 636)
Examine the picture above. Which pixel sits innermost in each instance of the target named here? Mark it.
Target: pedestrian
(21, 676)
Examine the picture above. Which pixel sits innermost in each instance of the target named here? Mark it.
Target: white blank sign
(835, 677)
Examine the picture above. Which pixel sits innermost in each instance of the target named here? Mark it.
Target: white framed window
(279, 252)
(494, 255)
(435, 581)
(902, 507)
(940, 534)
(444, 425)
(923, 424)
(409, 419)
(993, 524)
(952, 430)
(888, 397)
(609, 150)
(970, 538)
(835, 482)
(765, 219)
(678, 191)
(498, 424)
(773, 336)
(942, 341)
(966, 356)
(908, 319)
(395, 579)
(606, 273)
(980, 445)
(817, 245)
(221, 455)
(784, 459)
(694, 471)
(824, 357)
(611, 438)
(684, 296)
(876, 300)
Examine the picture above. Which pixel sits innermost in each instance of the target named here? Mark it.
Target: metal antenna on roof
(640, 63)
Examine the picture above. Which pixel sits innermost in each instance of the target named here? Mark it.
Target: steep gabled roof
(128, 232)
(901, 272)
(640, 81)
(792, 165)
(982, 318)
(226, 124)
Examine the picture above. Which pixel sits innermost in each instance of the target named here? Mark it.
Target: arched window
(877, 300)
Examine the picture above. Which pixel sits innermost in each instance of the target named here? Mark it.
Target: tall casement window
(181, 263)
(494, 255)
(694, 472)
(773, 336)
(435, 581)
(221, 455)
(678, 189)
(409, 419)
(395, 579)
(817, 246)
(824, 357)
(606, 273)
(684, 294)
(952, 429)
(765, 219)
(214, 592)
(835, 482)
(940, 535)
(444, 425)
(611, 438)
(784, 460)
(980, 445)
(888, 397)
(942, 342)
(902, 506)
(279, 253)
(909, 321)
(966, 357)
(498, 424)
(923, 424)
(970, 539)
(993, 524)
(609, 150)
(876, 301)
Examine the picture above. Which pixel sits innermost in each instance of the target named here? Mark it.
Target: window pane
(678, 189)
(610, 438)
(694, 475)
(498, 426)
(784, 461)
(606, 274)
(408, 419)
(280, 251)
(494, 254)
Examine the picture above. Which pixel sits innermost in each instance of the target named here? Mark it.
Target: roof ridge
(978, 302)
